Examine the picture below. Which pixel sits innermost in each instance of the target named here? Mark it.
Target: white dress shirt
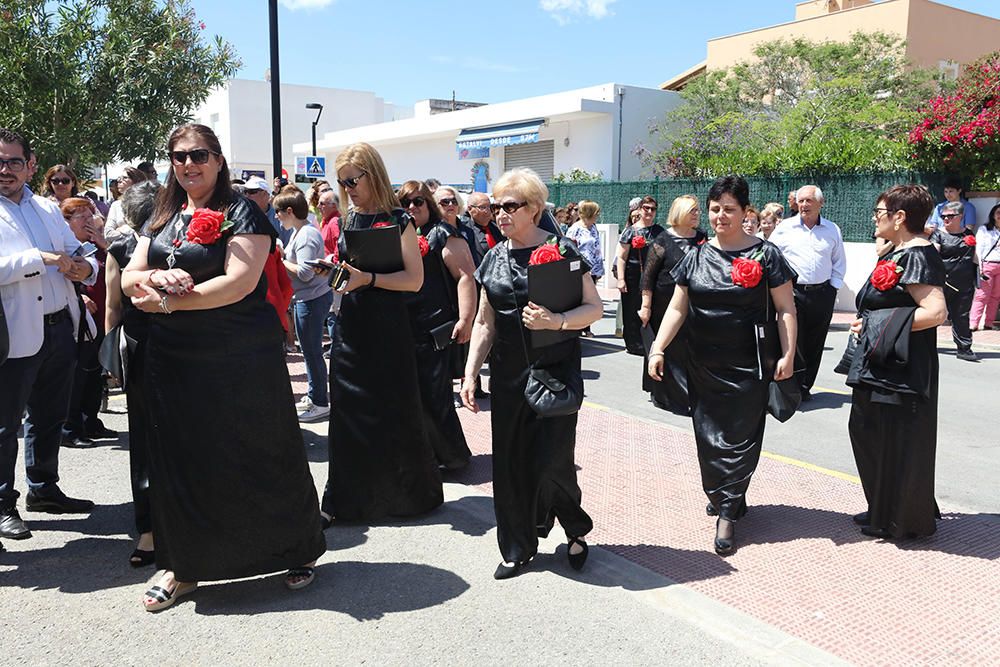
(816, 254)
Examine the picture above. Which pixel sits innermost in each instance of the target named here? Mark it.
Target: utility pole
(272, 7)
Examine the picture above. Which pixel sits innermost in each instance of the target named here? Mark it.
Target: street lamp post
(319, 108)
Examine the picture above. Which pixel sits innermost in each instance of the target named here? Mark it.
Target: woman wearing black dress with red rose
(893, 423)
(629, 261)
(724, 288)
(230, 490)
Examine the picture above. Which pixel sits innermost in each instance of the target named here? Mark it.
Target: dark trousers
(88, 390)
(814, 311)
(41, 383)
(138, 438)
(959, 303)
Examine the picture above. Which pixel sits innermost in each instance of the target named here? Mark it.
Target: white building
(593, 128)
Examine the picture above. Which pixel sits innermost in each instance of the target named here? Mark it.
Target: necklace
(177, 241)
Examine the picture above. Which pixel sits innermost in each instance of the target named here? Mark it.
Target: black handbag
(783, 398)
(115, 352)
(843, 366)
(441, 334)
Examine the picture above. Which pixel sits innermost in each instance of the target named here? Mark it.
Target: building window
(214, 123)
(948, 70)
(539, 156)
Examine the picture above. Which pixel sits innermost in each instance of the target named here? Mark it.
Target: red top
(330, 229)
(279, 286)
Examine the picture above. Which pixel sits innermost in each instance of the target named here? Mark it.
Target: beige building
(937, 36)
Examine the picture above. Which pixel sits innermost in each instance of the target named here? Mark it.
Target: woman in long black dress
(666, 251)
(724, 288)
(446, 302)
(230, 489)
(894, 433)
(957, 245)
(631, 256)
(381, 461)
(534, 475)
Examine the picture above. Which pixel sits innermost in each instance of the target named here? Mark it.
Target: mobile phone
(86, 249)
(321, 264)
(339, 277)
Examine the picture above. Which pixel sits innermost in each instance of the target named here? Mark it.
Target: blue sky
(488, 51)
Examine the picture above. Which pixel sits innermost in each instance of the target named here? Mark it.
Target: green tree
(797, 107)
(92, 81)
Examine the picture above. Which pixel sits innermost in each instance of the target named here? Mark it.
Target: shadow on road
(479, 471)
(823, 400)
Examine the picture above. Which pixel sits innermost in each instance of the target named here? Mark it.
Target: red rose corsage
(886, 275)
(545, 253)
(969, 240)
(207, 226)
(747, 272)
(379, 225)
(638, 242)
(424, 246)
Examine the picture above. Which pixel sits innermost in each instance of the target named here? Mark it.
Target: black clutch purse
(441, 334)
(843, 366)
(783, 398)
(548, 396)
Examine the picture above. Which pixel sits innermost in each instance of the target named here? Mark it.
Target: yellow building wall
(937, 32)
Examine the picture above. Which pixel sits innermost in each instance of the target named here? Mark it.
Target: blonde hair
(588, 209)
(680, 208)
(367, 159)
(772, 209)
(439, 194)
(524, 183)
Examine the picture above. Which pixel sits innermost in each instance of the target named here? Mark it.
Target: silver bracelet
(163, 304)
(656, 354)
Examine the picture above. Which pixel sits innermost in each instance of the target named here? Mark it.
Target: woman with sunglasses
(630, 259)
(534, 472)
(116, 219)
(381, 461)
(230, 491)
(444, 307)
(60, 183)
(451, 206)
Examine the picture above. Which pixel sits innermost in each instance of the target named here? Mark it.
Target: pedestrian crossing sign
(315, 166)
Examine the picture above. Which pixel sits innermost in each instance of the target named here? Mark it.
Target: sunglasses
(351, 183)
(252, 191)
(198, 156)
(415, 201)
(949, 216)
(448, 201)
(60, 181)
(510, 207)
(649, 207)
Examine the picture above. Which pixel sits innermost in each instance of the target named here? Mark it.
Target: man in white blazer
(38, 260)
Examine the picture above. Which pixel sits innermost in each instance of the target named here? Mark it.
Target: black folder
(377, 250)
(558, 287)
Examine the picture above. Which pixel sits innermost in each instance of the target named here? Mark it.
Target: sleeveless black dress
(381, 461)
(230, 487)
(666, 251)
(534, 474)
(632, 299)
(894, 437)
(728, 399)
(434, 305)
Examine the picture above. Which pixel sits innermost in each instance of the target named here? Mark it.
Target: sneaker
(316, 413)
(967, 355)
(304, 404)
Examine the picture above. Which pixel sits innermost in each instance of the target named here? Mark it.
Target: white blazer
(21, 269)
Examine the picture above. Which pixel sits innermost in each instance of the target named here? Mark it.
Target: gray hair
(138, 203)
(818, 195)
(633, 203)
(954, 206)
(336, 197)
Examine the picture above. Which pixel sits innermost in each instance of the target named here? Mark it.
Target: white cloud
(564, 11)
(306, 4)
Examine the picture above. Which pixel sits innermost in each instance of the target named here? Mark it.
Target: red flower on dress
(886, 275)
(638, 242)
(207, 226)
(379, 225)
(970, 241)
(746, 272)
(424, 246)
(702, 242)
(545, 253)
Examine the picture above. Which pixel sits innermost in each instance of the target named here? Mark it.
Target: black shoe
(102, 432)
(806, 395)
(505, 571)
(142, 558)
(871, 531)
(861, 519)
(77, 442)
(57, 503)
(710, 510)
(12, 526)
(724, 546)
(576, 560)
(967, 355)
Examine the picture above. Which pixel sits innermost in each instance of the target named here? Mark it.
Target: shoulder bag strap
(517, 306)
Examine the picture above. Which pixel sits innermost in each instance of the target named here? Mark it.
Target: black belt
(808, 288)
(57, 317)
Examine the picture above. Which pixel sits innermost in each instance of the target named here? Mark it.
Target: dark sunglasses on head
(198, 156)
(416, 201)
(448, 201)
(351, 183)
(508, 206)
(60, 181)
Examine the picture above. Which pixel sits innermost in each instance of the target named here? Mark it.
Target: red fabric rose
(746, 272)
(424, 246)
(638, 242)
(886, 275)
(545, 253)
(379, 225)
(206, 226)
(970, 241)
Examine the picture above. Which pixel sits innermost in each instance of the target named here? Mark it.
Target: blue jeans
(309, 319)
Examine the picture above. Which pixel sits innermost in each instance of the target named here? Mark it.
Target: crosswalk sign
(315, 166)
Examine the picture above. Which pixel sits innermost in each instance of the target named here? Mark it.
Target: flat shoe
(861, 519)
(164, 598)
(142, 558)
(304, 574)
(871, 531)
(576, 560)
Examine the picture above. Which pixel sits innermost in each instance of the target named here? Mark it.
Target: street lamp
(319, 107)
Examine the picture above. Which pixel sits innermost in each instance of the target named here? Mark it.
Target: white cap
(258, 183)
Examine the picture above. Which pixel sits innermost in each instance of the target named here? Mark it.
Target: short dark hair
(432, 183)
(735, 186)
(649, 199)
(991, 223)
(915, 200)
(12, 137)
(294, 200)
(954, 182)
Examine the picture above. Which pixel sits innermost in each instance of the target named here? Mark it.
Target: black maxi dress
(135, 324)
(230, 487)
(435, 305)
(381, 460)
(958, 251)
(632, 299)
(728, 399)
(894, 436)
(666, 251)
(534, 473)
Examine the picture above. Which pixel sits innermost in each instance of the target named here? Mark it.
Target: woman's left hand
(358, 279)
(149, 301)
(537, 317)
(784, 368)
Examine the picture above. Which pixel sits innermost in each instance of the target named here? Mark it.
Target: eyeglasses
(351, 183)
(510, 207)
(415, 201)
(448, 201)
(198, 156)
(949, 216)
(481, 207)
(60, 181)
(324, 204)
(14, 165)
(649, 207)
(877, 210)
(252, 191)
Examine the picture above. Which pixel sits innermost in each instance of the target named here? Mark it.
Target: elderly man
(38, 261)
(481, 232)
(814, 248)
(259, 191)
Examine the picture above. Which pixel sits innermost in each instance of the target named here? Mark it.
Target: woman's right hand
(468, 394)
(172, 281)
(655, 366)
(856, 326)
(622, 287)
(645, 312)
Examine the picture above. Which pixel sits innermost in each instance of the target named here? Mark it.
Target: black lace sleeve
(922, 266)
(776, 267)
(654, 262)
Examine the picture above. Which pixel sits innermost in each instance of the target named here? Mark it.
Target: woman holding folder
(381, 461)
(534, 473)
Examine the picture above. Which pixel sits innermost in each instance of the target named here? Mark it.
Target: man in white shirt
(38, 260)
(814, 248)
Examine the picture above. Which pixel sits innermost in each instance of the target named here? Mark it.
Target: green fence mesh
(849, 198)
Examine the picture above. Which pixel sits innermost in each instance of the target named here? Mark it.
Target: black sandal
(142, 558)
(576, 560)
(306, 574)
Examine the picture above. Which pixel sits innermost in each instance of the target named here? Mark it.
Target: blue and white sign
(478, 138)
(312, 166)
(493, 142)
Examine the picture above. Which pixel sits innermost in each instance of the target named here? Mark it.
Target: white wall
(640, 106)
(589, 144)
